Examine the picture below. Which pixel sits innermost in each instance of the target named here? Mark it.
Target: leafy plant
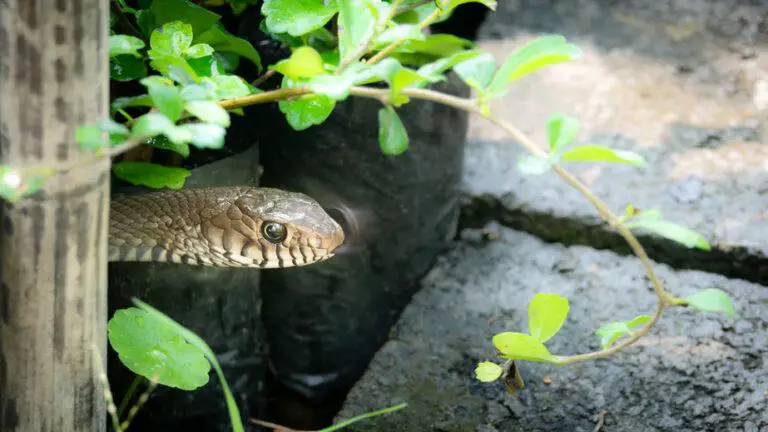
(186, 61)
(156, 347)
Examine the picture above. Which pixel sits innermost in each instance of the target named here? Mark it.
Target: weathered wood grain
(53, 266)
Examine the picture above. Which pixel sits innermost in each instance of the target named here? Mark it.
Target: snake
(246, 227)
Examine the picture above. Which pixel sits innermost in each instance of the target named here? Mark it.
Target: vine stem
(394, 45)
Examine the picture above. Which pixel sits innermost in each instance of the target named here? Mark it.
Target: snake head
(289, 229)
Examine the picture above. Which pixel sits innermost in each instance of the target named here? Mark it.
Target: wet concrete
(685, 84)
(695, 372)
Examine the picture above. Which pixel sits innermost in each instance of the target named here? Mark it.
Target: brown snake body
(222, 227)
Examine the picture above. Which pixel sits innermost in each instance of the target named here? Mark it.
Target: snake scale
(222, 227)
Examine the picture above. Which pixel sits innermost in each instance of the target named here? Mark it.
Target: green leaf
(546, 314)
(306, 111)
(126, 67)
(433, 71)
(448, 5)
(199, 50)
(712, 300)
(196, 92)
(90, 137)
(304, 62)
(116, 131)
(562, 130)
(124, 44)
(225, 42)
(175, 68)
(199, 18)
(229, 86)
(131, 101)
(398, 78)
(357, 24)
(337, 86)
(150, 175)
(529, 164)
(206, 66)
(597, 153)
(234, 412)
(297, 17)
(162, 142)
(151, 124)
(173, 38)
(488, 371)
(393, 138)
(477, 72)
(437, 45)
(611, 332)
(671, 231)
(535, 55)
(520, 346)
(16, 184)
(638, 321)
(165, 95)
(209, 112)
(206, 135)
(399, 32)
(150, 348)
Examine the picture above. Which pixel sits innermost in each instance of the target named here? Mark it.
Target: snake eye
(274, 232)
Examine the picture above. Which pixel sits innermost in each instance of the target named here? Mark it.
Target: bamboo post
(53, 261)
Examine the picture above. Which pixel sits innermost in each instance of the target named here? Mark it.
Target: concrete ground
(685, 84)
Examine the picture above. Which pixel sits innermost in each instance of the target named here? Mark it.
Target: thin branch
(396, 44)
(365, 45)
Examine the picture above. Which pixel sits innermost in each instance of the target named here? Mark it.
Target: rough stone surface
(683, 83)
(695, 372)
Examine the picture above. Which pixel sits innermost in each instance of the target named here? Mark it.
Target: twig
(263, 78)
(600, 421)
(275, 426)
(365, 45)
(111, 409)
(140, 403)
(128, 395)
(396, 44)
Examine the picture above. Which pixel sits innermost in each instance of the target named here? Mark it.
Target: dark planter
(325, 322)
(220, 305)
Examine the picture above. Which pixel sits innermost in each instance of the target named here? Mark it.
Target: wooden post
(53, 261)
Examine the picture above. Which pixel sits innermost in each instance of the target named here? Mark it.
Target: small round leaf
(488, 371)
(151, 348)
(712, 300)
(546, 314)
(520, 346)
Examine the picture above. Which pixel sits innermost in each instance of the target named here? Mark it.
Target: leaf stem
(429, 19)
(128, 395)
(365, 45)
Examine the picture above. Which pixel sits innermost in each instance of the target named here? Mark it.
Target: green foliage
(562, 132)
(711, 300)
(611, 332)
(151, 348)
(650, 221)
(199, 343)
(546, 314)
(297, 17)
(488, 371)
(393, 138)
(151, 175)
